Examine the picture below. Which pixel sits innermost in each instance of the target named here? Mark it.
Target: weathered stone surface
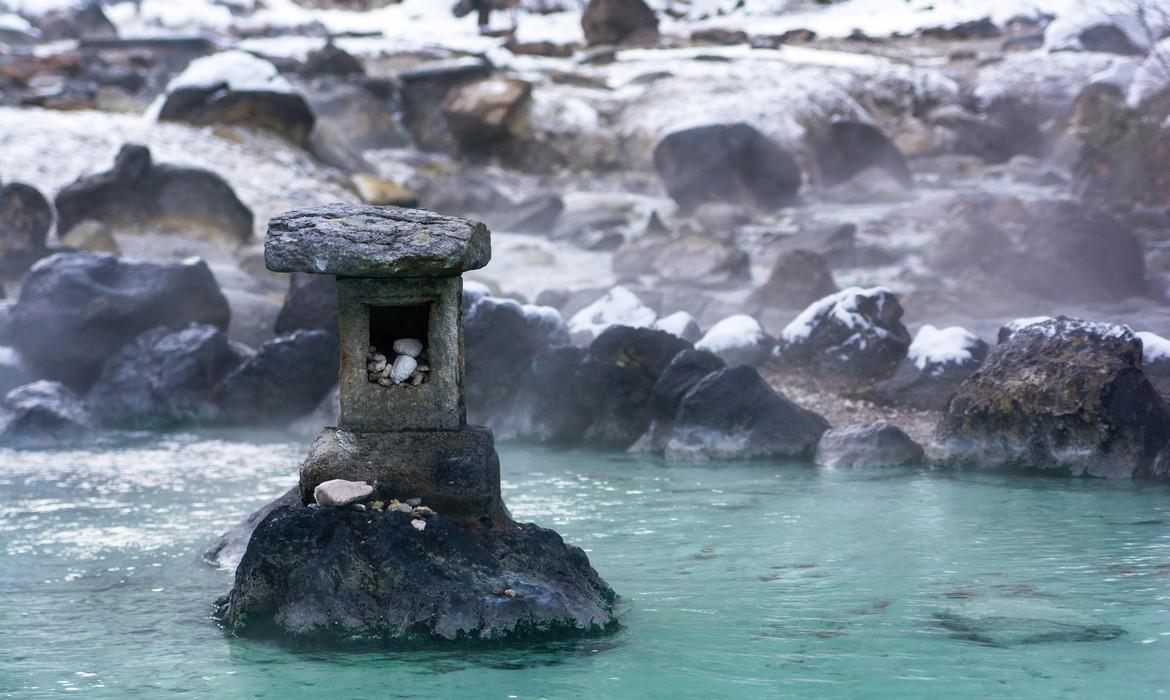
(734, 414)
(25, 218)
(456, 472)
(286, 379)
(869, 446)
(845, 148)
(855, 333)
(683, 374)
(365, 241)
(615, 381)
(340, 574)
(140, 193)
(726, 163)
(339, 492)
(164, 378)
(311, 304)
(619, 22)
(44, 415)
(77, 309)
(798, 278)
(285, 113)
(1057, 396)
(227, 552)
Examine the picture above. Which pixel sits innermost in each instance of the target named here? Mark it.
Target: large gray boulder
(310, 304)
(164, 378)
(364, 241)
(44, 415)
(726, 163)
(868, 446)
(1061, 396)
(75, 310)
(25, 219)
(286, 379)
(937, 362)
(846, 148)
(139, 193)
(370, 576)
(619, 22)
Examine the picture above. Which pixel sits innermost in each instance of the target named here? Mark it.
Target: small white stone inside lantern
(405, 364)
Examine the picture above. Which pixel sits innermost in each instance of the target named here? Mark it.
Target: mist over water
(744, 579)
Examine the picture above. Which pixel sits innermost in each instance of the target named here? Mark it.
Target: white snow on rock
(619, 306)
(15, 23)
(841, 305)
(339, 492)
(1063, 33)
(475, 290)
(1066, 326)
(241, 71)
(932, 346)
(1152, 77)
(679, 323)
(1155, 348)
(733, 332)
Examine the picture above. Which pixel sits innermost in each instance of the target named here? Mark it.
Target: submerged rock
(869, 446)
(286, 379)
(164, 378)
(78, 309)
(44, 415)
(139, 193)
(856, 333)
(341, 574)
(734, 414)
(726, 163)
(1009, 631)
(936, 364)
(1058, 395)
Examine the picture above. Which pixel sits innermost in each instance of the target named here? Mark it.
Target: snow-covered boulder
(617, 307)
(43, 415)
(1057, 395)
(936, 364)
(739, 340)
(856, 333)
(680, 323)
(1156, 360)
(235, 87)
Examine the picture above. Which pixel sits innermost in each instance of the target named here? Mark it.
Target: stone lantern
(399, 287)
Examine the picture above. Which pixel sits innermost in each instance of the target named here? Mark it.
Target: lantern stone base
(454, 472)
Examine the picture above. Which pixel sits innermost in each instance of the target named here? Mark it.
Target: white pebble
(408, 346)
(404, 366)
(339, 492)
(419, 525)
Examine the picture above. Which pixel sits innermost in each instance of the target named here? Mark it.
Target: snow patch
(1152, 77)
(1155, 348)
(932, 346)
(733, 332)
(240, 70)
(619, 306)
(676, 324)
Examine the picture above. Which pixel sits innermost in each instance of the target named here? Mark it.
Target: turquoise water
(746, 581)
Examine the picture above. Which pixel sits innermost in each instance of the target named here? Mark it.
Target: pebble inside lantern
(447, 560)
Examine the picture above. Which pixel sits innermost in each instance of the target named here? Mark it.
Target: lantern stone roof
(350, 240)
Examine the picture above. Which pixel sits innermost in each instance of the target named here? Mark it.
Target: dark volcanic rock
(351, 120)
(845, 148)
(619, 22)
(734, 414)
(365, 241)
(423, 91)
(926, 380)
(684, 373)
(227, 552)
(856, 333)
(77, 309)
(547, 409)
(163, 379)
(311, 304)
(798, 278)
(285, 113)
(1057, 396)
(140, 193)
(341, 574)
(1005, 130)
(1109, 38)
(44, 415)
(867, 446)
(501, 338)
(286, 378)
(726, 163)
(616, 379)
(25, 219)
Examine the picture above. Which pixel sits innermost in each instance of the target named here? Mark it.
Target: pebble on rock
(404, 366)
(408, 346)
(339, 492)
(419, 525)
